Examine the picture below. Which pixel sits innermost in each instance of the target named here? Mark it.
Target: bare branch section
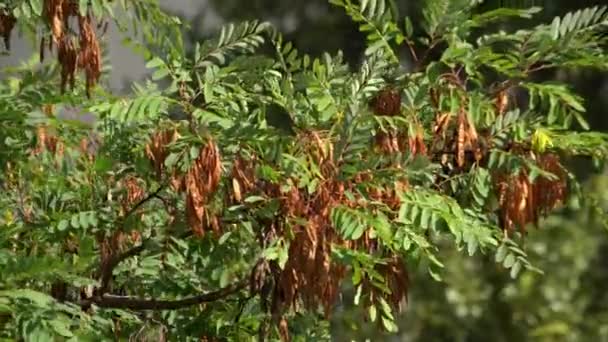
(107, 268)
(144, 200)
(127, 302)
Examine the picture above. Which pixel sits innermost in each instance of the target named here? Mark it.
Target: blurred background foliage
(477, 300)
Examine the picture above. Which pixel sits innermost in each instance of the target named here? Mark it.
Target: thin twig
(242, 303)
(412, 51)
(107, 268)
(144, 200)
(422, 59)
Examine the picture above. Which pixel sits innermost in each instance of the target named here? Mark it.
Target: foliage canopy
(236, 192)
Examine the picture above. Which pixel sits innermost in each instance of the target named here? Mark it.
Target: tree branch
(127, 302)
(421, 60)
(144, 200)
(107, 268)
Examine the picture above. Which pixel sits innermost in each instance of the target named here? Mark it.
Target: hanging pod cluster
(199, 183)
(132, 192)
(458, 146)
(74, 52)
(47, 142)
(387, 103)
(456, 143)
(523, 201)
(309, 276)
(7, 23)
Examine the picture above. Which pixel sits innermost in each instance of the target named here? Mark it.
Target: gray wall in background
(126, 65)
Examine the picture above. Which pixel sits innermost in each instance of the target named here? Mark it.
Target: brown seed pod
(386, 143)
(53, 10)
(134, 192)
(41, 51)
(502, 102)
(523, 202)
(157, 151)
(467, 139)
(284, 330)
(201, 182)
(68, 58)
(48, 142)
(387, 102)
(89, 57)
(243, 177)
(7, 22)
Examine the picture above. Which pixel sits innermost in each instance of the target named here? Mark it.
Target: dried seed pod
(89, 57)
(387, 102)
(135, 236)
(201, 182)
(441, 123)
(397, 278)
(243, 177)
(466, 138)
(157, 150)
(284, 330)
(7, 23)
(416, 141)
(257, 278)
(70, 8)
(551, 193)
(53, 10)
(387, 143)
(68, 58)
(502, 102)
(134, 192)
(47, 142)
(522, 202)
(42, 46)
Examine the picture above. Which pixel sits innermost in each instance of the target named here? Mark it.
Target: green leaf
(254, 199)
(501, 253)
(61, 327)
(472, 245)
(435, 275)
(373, 313)
(358, 293)
(36, 6)
(38, 298)
(75, 222)
(154, 62)
(83, 6)
(509, 261)
(409, 28)
(83, 219)
(389, 325)
(171, 160)
(160, 73)
(357, 232)
(25, 9)
(434, 260)
(63, 225)
(97, 8)
(515, 269)
(103, 164)
(555, 28)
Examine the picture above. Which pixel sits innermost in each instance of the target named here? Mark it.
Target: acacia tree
(236, 193)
